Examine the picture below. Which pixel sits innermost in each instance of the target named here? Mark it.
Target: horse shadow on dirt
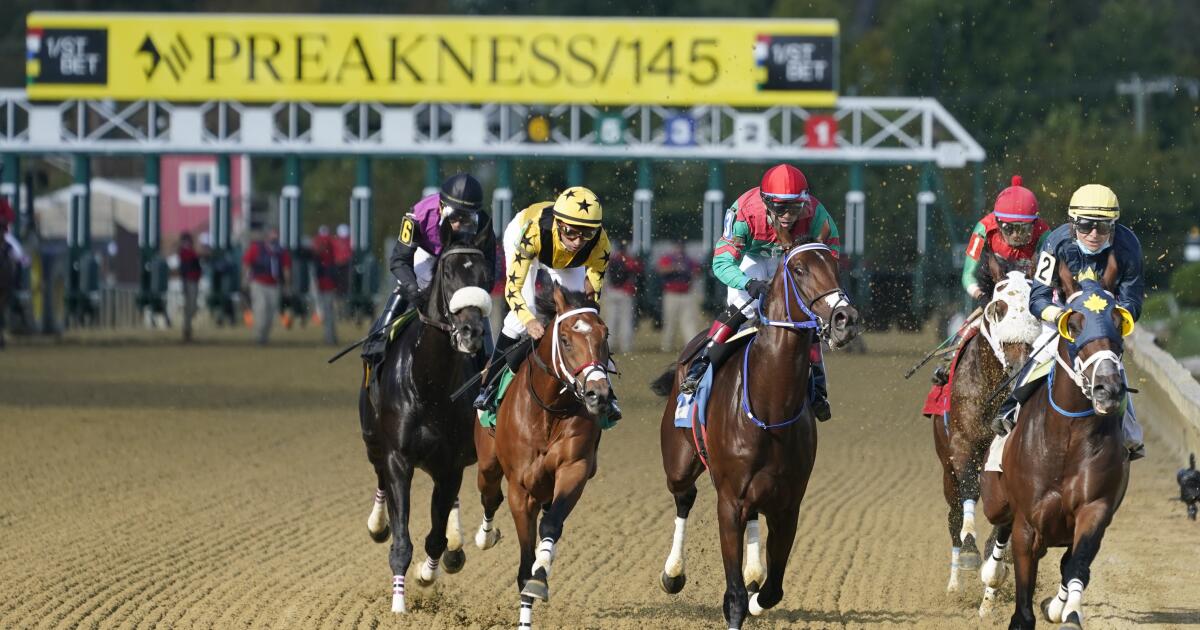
(702, 614)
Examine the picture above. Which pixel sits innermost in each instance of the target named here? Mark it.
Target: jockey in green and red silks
(748, 252)
(1012, 230)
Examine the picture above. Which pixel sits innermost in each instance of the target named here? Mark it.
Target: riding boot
(726, 324)
(485, 400)
(1006, 416)
(376, 343)
(820, 392)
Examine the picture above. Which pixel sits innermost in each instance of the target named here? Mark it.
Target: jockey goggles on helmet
(1102, 226)
(570, 232)
(467, 220)
(793, 205)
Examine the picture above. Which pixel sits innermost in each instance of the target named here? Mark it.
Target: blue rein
(1054, 405)
(813, 322)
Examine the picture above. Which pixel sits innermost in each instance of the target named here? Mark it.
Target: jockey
(748, 252)
(453, 213)
(1013, 231)
(1086, 244)
(564, 238)
(7, 218)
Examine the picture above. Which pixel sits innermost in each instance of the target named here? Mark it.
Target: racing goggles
(1103, 227)
(1016, 229)
(570, 232)
(794, 205)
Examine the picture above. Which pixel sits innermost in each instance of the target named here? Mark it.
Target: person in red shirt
(189, 274)
(267, 270)
(681, 308)
(325, 265)
(618, 299)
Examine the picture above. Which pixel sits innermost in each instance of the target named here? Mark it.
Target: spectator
(268, 267)
(681, 309)
(342, 258)
(618, 299)
(189, 275)
(325, 269)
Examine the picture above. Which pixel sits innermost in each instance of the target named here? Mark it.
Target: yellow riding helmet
(1094, 201)
(578, 206)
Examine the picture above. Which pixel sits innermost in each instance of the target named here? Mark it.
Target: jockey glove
(757, 289)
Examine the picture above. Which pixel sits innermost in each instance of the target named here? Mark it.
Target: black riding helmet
(462, 192)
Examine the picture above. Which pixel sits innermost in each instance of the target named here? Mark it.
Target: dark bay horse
(8, 283)
(409, 420)
(1065, 465)
(547, 431)
(761, 435)
(1007, 331)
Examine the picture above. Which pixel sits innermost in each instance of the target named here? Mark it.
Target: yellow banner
(334, 59)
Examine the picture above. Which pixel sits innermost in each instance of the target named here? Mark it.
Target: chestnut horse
(410, 421)
(761, 436)
(1007, 331)
(547, 431)
(1065, 464)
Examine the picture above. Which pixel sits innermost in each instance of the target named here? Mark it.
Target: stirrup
(694, 375)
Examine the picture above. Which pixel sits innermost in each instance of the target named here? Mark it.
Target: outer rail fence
(1173, 384)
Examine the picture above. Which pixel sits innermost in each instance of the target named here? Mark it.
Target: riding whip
(932, 353)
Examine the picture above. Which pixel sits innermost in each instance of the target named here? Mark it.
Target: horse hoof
(755, 609)
(969, 560)
(672, 585)
(423, 583)
(537, 589)
(453, 560)
(753, 587)
(488, 539)
(1072, 622)
(380, 536)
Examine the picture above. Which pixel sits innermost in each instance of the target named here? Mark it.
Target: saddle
(937, 403)
(691, 411)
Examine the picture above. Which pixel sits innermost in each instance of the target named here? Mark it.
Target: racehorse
(546, 435)
(1065, 465)
(761, 436)
(409, 420)
(961, 436)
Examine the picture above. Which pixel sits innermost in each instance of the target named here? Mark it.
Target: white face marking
(582, 327)
(833, 299)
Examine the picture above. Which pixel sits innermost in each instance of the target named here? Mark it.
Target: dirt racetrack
(147, 484)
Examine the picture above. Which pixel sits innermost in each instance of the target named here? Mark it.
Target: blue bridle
(813, 322)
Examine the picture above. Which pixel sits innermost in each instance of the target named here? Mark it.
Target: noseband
(572, 380)
(835, 298)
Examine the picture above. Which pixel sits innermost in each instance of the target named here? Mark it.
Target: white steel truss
(868, 130)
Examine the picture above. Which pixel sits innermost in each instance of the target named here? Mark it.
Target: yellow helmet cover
(578, 206)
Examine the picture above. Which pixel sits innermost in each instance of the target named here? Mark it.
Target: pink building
(186, 187)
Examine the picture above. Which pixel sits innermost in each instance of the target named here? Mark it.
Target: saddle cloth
(694, 408)
(937, 403)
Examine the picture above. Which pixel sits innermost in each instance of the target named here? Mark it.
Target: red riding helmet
(784, 189)
(1016, 204)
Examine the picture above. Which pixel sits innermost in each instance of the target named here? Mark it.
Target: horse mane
(545, 301)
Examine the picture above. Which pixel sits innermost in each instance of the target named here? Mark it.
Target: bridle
(570, 379)
(1083, 373)
(442, 300)
(835, 298)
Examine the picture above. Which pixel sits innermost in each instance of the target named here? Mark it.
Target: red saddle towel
(938, 400)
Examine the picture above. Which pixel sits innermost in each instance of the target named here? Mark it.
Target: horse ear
(560, 302)
(1108, 279)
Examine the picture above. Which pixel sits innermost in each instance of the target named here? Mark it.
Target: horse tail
(1192, 461)
(661, 386)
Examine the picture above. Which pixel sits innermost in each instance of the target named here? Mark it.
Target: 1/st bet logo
(74, 58)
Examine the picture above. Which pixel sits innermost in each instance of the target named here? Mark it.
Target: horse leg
(399, 483)
(1090, 524)
(954, 522)
(966, 473)
(377, 520)
(491, 496)
(753, 574)
(569, 482)
(454, 558)
(779, 547)
(1025, 564)
(674, 577)
(732, 525)
(1054, 607)
(445, 493)
(993, 571)
(524, 512)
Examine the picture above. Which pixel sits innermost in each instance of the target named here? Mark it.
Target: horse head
(1007, 323)
(1092, 331)
(459, 298)
(811, 278)
(579, 354)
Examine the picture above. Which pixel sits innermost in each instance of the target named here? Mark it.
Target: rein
(561, 372)
(834, 297)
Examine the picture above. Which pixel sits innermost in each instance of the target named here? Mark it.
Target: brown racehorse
(546, 437)
(961, 437)
(1065, 465)
(761, 436)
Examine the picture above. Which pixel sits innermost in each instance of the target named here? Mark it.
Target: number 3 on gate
(1045, 268)
(406, 231)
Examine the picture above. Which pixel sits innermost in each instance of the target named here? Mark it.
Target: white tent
(114, 202)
